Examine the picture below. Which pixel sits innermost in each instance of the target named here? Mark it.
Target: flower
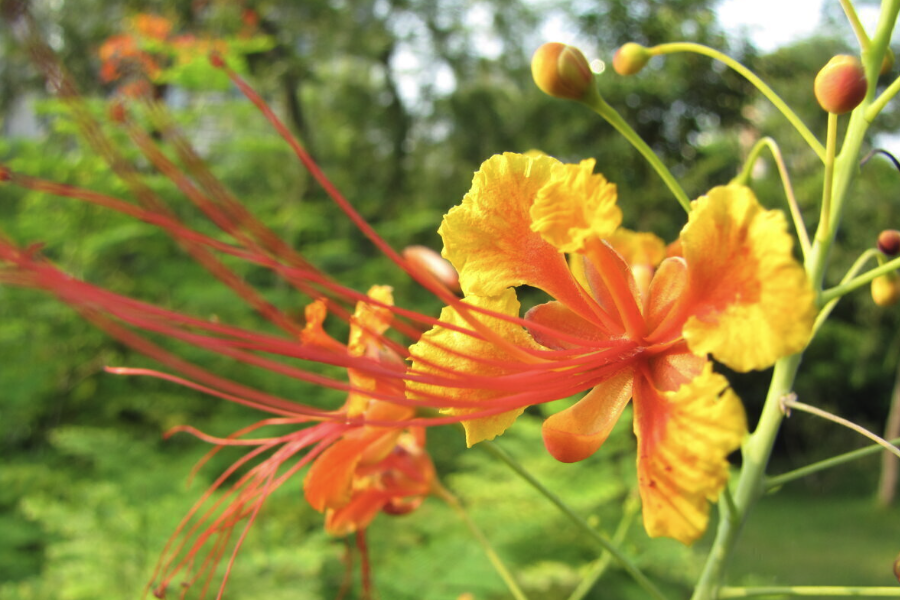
(625, 323)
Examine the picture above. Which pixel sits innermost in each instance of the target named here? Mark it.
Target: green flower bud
(841, 84)
(630, 59)
(561, 71)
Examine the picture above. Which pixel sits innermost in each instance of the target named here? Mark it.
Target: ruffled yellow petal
(753, 300)
(369, 321)
(684, 439)
(637, 247)
(450, 354)
(575, 205)
(488, 237)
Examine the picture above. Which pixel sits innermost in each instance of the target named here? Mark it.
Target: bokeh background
(399, 101)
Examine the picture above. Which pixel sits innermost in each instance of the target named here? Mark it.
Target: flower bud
(630, 59)
(896, 566)
(427, 261)
(886, 289)
(841, 84)
(561, 71)
(887, 63)
(5, 175)
(889, 242)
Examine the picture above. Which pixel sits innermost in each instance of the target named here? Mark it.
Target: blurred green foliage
(89, 491)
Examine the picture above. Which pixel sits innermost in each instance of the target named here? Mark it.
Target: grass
(795, 538)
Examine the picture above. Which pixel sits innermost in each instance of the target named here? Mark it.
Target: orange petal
(667, 301)
(488, 238)
(447, 353)
(684, 439)
(330, 478)
(559, 317)
(356, 514)
(577, 432)
(753, 301)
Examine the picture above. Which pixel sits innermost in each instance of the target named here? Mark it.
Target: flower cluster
(629, 319)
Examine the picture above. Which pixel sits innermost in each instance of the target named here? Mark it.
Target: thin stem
(823, 232)
(818, 591)
(858, 29)
(746, 172)
(857, 282)
(775, 482)
(444, 494)
(886, 96)
(632, 504)
(600, 106)
(790, 404)
(618, 555)
(750, 76)
(851, 273)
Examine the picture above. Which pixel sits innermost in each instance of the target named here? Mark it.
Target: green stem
(755, 452)
(775, 482)
(750, 76)
(818, 591)
(632, 505)
(600, 106)
(823, 232)
(744, 177)
(624, 561)
(886, 96)
(444, 494)
(856, 24)
(789, 403)
(830, 304)
(857, 282)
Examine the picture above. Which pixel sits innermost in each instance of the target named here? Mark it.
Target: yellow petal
(370, 321)
(753, 300)
(488, 238)
(575, 205)
(684, 438)
(447, 353)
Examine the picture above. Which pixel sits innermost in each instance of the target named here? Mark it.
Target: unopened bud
(216, 60)
(886, 289)
(889, 242)
(897, 568)
(117, 112)
(841, 84)
(887, 63)
(426, 260)
(5, 175)
(561, 71)
(630, 59)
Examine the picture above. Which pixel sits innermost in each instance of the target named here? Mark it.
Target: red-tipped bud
(561, 71)
(117, 112)
(5, 174)
(216, 60)
(630, 59)
(426, 260)
(841, 84)
(887, 63)
(886, 289)
(889, 242)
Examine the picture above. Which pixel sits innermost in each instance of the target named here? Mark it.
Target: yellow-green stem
(856, 24)
(600, 106)
(823, 232)
(750, 76)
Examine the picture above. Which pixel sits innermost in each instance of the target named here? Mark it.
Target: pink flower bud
(630, 59)
(841, 84)
(426, 260)
(561, 71)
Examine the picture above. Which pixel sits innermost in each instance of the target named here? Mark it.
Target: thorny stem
(444, 494)
(744, 176)
(775, 482)
(789, 402)
(750, 76)
(618, 555)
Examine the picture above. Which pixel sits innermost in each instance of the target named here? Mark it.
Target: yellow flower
(625, 323)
